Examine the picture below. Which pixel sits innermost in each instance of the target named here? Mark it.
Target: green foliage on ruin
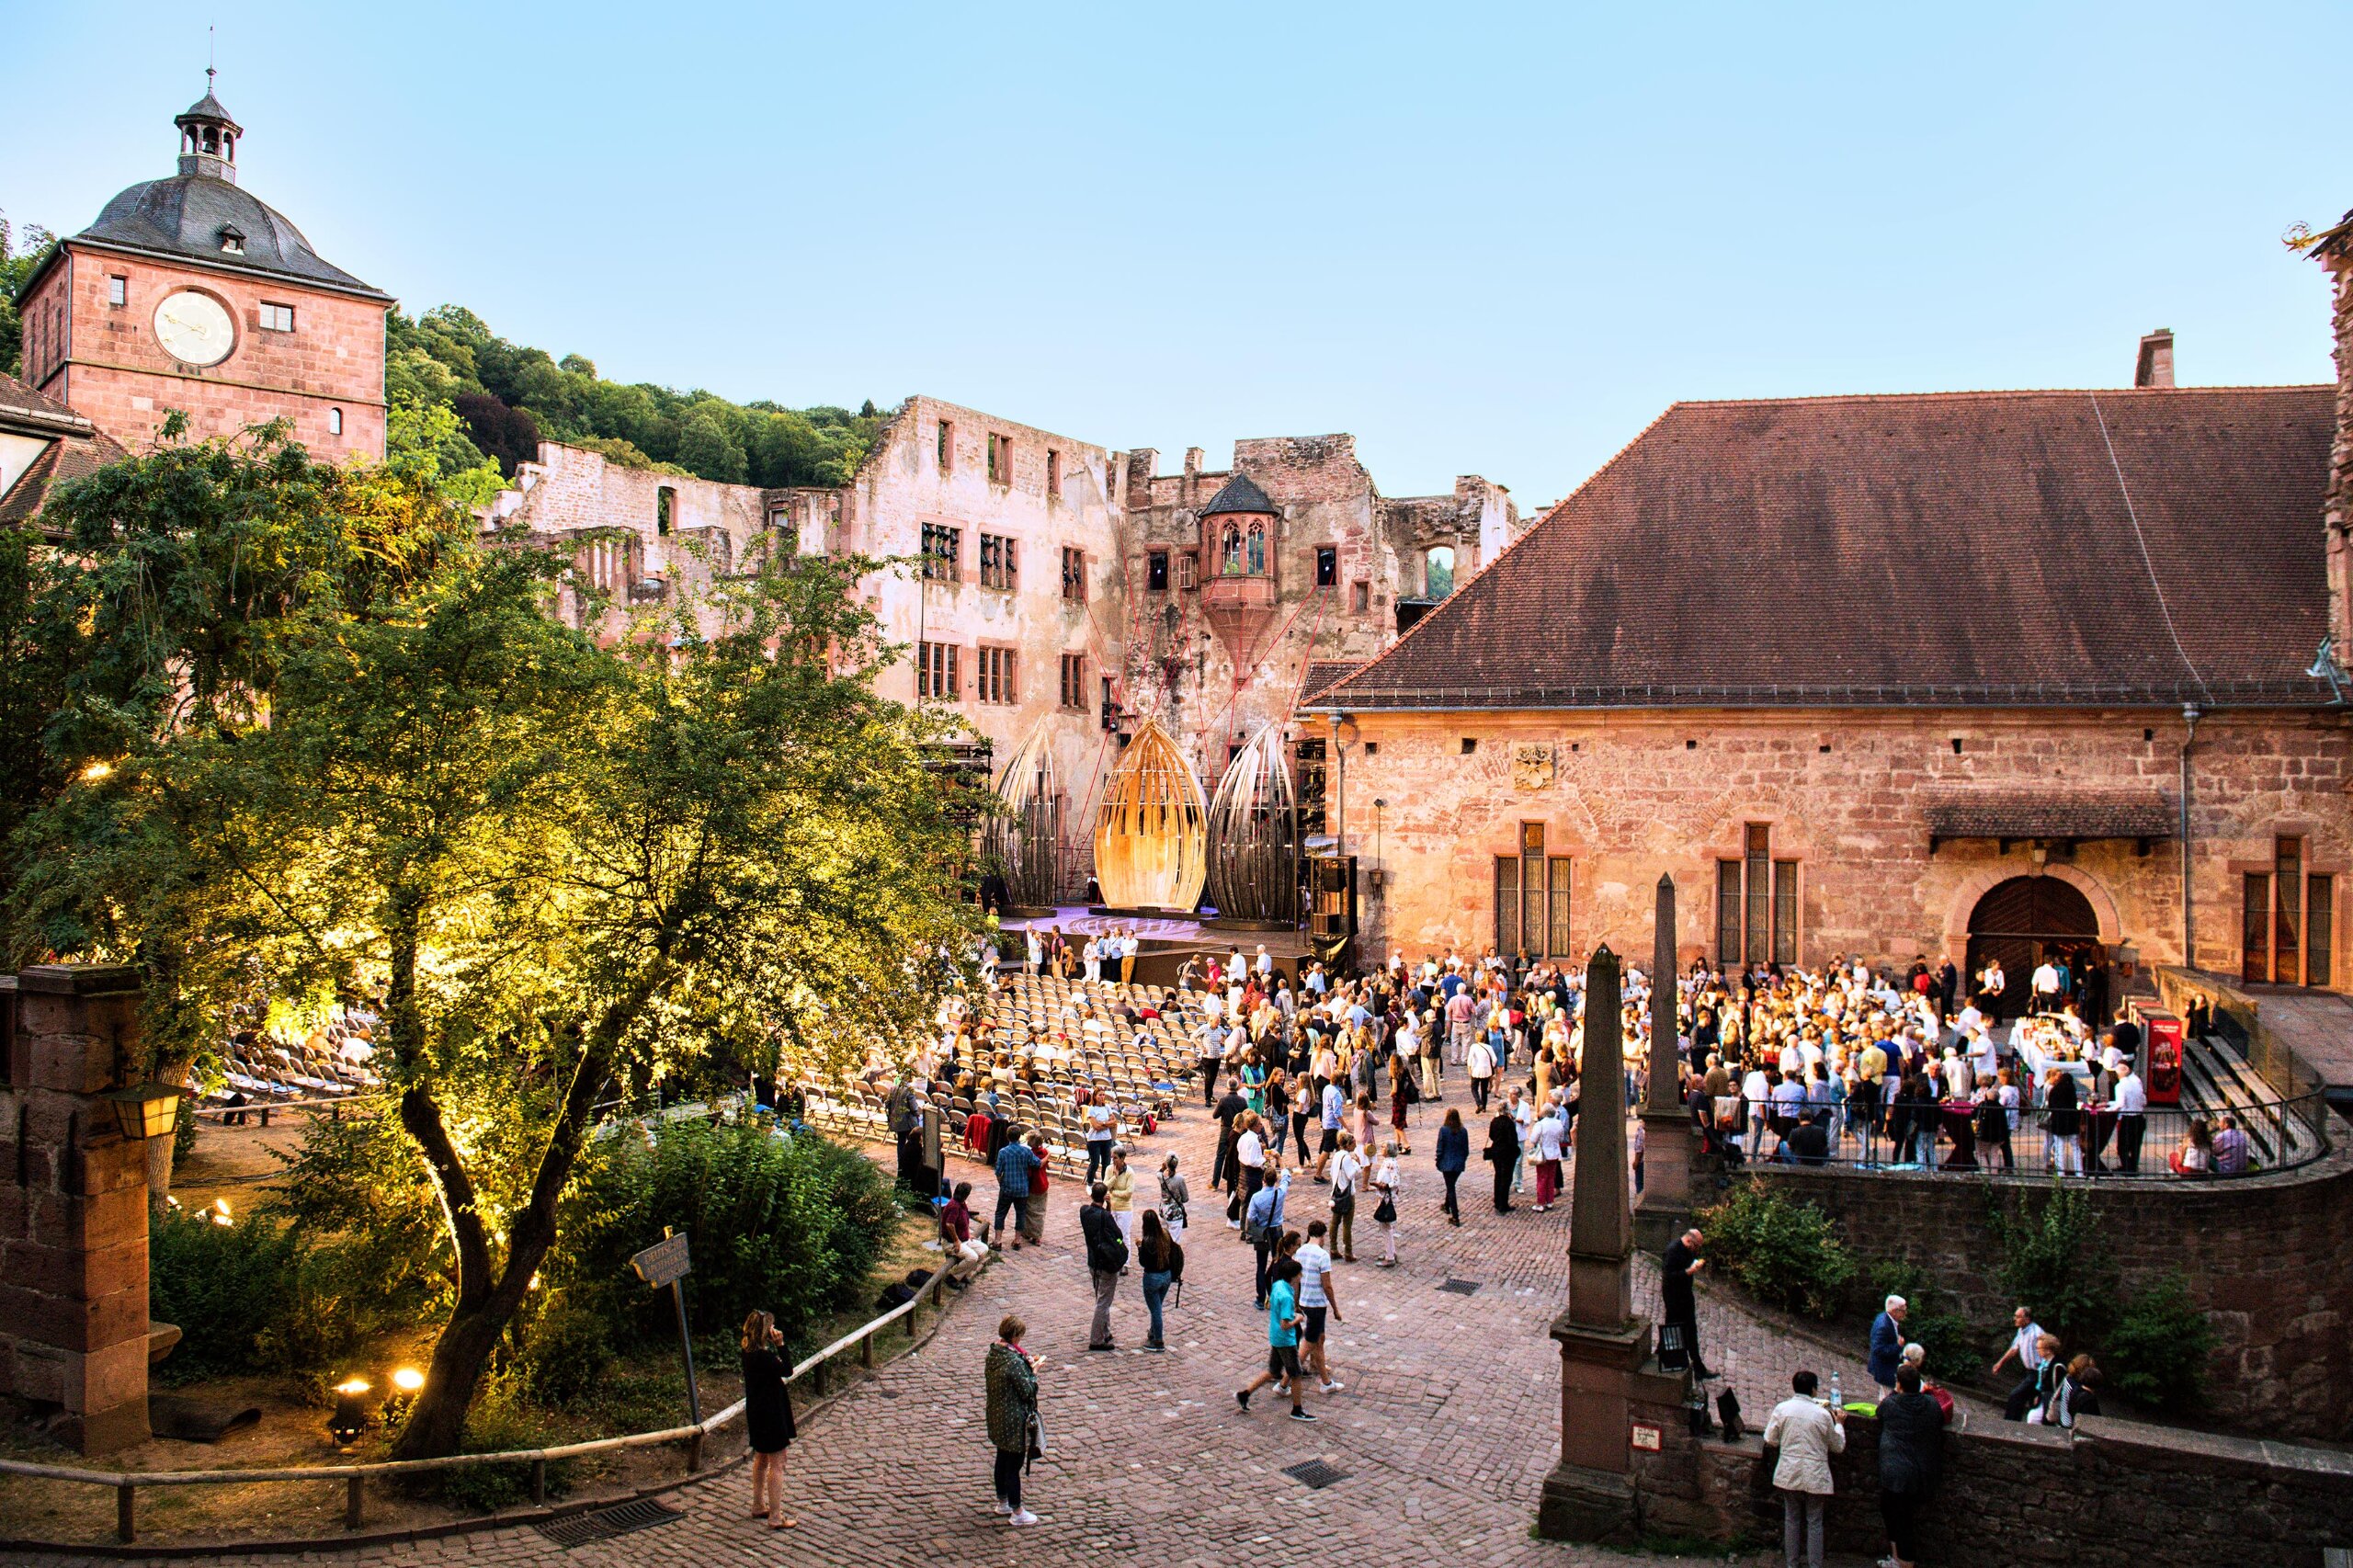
(21, 253)
(1783, 1251)
(507, 396)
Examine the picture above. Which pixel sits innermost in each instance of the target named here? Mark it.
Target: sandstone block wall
(2270, 1258)
(1628, 795)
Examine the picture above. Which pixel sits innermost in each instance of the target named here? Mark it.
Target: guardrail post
(694, 1453)
(125, 1511)
(353, 1503)
(866, 1348)
(538, 1483)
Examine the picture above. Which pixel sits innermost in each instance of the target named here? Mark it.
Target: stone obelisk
(1590, 1494)
(1664, 1211)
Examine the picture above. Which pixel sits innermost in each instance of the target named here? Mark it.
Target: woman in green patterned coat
(1012, 1380)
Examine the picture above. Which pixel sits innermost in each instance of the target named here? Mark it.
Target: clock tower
(190, 293)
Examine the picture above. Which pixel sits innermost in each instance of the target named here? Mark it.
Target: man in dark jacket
(1678, 1299)
(1910, 1449)
(1107, 1254)
(1502, 1153)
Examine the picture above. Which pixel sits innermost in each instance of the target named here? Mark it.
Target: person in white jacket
(1806, 1435)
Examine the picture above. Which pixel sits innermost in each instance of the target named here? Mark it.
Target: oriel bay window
(1757, 905)
(2287, 925)
(1533, 899)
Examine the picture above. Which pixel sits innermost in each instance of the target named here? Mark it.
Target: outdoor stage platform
(1169, 939)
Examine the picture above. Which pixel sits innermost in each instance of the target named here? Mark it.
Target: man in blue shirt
(1283, 1323)
(1016, 1164)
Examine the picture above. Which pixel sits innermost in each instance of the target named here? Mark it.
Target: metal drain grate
(1462, 1287)
(579, 1529)
(1315, 1474)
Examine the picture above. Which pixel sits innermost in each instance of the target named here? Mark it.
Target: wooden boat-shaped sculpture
(1024, 838)
(1152, 839)
(1254, 837)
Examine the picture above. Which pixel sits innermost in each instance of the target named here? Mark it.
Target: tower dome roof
(1239, 494)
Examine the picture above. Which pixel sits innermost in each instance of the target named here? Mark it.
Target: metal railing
(354, 1478)
(1940, 1136)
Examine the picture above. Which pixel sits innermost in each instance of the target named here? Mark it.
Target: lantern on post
(349, 1421)
(145, 1110)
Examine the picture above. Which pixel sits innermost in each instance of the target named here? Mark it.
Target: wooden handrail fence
(355, 1477)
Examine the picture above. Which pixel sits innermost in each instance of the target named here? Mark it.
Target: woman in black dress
(767, 1417)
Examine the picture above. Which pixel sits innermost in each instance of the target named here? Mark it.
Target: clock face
(194, 329)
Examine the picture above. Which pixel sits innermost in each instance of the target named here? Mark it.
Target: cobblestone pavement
(1443, 1435)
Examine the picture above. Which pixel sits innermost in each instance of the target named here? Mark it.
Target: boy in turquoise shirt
(1283, 1320)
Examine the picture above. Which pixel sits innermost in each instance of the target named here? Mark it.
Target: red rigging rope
(1284, 631)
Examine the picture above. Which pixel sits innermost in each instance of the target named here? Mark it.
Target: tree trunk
(484, 1307)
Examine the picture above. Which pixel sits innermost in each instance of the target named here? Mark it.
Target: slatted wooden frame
(1152, 834)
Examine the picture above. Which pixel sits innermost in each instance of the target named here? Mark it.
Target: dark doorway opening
(2022, 922)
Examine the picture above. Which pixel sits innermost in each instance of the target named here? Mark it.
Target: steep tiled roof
(1321, 673)
(76, 447)
(1950, 549)
(1238, 494)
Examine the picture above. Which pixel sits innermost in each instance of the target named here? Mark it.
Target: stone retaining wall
(2270, 1258)
(2112, 1495)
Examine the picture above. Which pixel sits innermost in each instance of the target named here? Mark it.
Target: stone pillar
(1664, 1211)
(1590, 1493)
(74, 1329)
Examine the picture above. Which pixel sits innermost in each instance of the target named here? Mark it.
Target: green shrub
(499, 1420)
(1955, 1347)
(2054, 1262)
(567, 1353)
(2157, 1352)
(794, 1226)
(223, 1285)
(1784, 1252)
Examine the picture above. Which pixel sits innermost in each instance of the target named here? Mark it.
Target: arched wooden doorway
(2024, 920)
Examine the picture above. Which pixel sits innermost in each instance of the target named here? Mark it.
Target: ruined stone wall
(2270, 1258)
(2338, 509)
(1630, 795)
(1214, 695)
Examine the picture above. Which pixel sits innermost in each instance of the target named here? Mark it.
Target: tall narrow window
(1437, 572)
(1531, 887)
(936, 672)
(1757, 905)
(1506, 903)
(1308, 760)
(665, 505)
(947, 444)
(334, 422)
(1073, 573)
(1074, 693)
(1327, 566)
(1157, 572)
(1558, 892)
(997, 564)
(1360, 595)
(2287, 921)
(1054, 471)
(1257, 549)
(118, 290)
(1000, 458)
(1188, 569)
(1229, 549)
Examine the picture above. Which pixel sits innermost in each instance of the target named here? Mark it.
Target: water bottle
(1836, 1402)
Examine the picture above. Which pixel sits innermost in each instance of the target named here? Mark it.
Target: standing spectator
(1479, 1063)
(1284, 1320)
(1229, 1113)
(1503, 1154)
(1175, 1199)
(767, 1415)
(1016, 1167)
(1887, 1343)
(1678, 1299)
(1249, 1162)
(1316, 1299)
(1547, 1131)
(1107, 1259)
(1033, 1223)
(1263, 1229)
(1011, 1381)
(1806, 1436)
(2063, 1122)
(1384, 1212)
(1453, 1159)
(1163, 1261)
(1121, 1184)
(1911, 1452)
(1102, 1130)
(1347, 1183)
(2132, 1118)
(2026, 1349)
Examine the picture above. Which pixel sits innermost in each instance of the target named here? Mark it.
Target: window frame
(1000, 566)
(937, 672)
(943, 552)
(275, 317)
(1760, 905)
(947, 448)
(1327, 565)
(1189, 571)
(2288, 919)
(1073, 573)
(1073, 682)
(1534, 892)
(996, 674)
(335, 421)
(117, 289)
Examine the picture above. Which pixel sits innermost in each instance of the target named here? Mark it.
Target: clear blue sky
(1484, 239)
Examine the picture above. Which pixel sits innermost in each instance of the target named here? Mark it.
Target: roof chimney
(2155, 366)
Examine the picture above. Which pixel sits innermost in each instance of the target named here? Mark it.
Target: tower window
(1157, 572)
(276, 318)
(334, 422)
(1327, 566)
(118, 290)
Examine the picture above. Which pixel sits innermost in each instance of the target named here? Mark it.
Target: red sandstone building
(189, 293)
(1980, 674)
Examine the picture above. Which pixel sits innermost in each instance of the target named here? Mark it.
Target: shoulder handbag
(1387, 1213)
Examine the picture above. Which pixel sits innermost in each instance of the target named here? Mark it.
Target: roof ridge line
(1957, 395)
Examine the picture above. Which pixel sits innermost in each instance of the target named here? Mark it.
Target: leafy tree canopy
(509, 397)
(21, 254)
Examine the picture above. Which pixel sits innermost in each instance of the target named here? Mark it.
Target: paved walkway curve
(1444, 1433)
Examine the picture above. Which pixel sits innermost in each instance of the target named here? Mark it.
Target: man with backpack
(1262, 1227)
